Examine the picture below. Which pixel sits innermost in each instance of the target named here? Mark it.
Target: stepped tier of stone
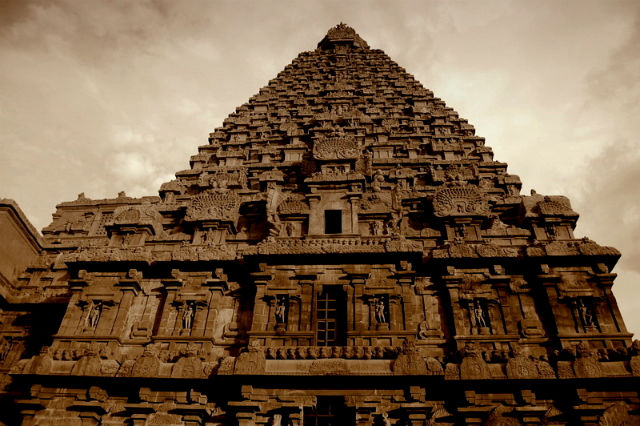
(344, 222)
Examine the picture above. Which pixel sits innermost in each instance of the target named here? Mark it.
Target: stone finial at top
(342, 34)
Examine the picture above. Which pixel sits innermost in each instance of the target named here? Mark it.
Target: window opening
(333, 221)
(330, 316)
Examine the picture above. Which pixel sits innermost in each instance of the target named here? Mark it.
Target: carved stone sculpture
(187, 315)
(380, 309)
(281, 310)
(459, 201)
(147, 364)
(94, 314)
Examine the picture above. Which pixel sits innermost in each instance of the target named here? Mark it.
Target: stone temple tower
(343, 251)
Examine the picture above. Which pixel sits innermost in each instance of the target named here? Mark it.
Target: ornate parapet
(109, 254)
(339, 246)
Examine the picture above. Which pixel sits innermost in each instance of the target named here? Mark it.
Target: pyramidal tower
(344, 251)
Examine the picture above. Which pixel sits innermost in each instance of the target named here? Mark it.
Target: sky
(100, 97)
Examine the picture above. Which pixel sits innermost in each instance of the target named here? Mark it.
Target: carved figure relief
(252, 361)
(460, 232)
(336, 148)
(277, 420)
(281, 309)
(376, 228)
(473, 366)
(214, 205)
(460, 201)
(586, 313)
(188, 315)
(423, 330)
(289, 229)
(616, 414)
(5, 348)
(293, 204)
(377, 181)
(480, 314)
(94, 314)
(385, 419)
(147, 364)
(380, 307)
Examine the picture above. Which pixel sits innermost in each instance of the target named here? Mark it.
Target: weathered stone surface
(342, 237)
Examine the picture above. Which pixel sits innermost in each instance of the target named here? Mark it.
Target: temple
(344, 251)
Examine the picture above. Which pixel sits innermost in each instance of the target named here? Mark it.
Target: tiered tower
(345, 250)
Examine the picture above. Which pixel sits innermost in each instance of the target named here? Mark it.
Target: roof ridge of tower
(342, 34)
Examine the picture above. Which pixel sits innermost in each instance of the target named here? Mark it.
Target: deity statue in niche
(5, 347)
(392, 226)
(479, 314)
(94, 314)
(376, 228)
(277, 420)
(289, 229)
(377, 181)
(385, 419)
(551, 230)
(127, 239)
(380, 308)
(187, 316)
(423, 330)
(585, 312)
(208, 236)
(281, 309)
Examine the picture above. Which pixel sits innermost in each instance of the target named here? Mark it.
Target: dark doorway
(330, 411)
(333, 221)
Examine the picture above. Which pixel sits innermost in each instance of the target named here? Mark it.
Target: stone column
(216, 289)
(410, 307)
(199, 319)
(561, 312)
(271, 309)
(316, 227)
(166, 323)
(353, 202)
(358, 321)
(261, 309)
(606, 282)
(130, 289)
(458, 326)
(372, 313)
(108, 315)
(306, 321)
(72, 322)
(293, 316)
(351, 308)
(395, 313)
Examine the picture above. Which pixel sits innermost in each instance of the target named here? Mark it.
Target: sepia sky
(99, 97)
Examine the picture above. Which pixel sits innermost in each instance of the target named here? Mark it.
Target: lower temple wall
(290, 401)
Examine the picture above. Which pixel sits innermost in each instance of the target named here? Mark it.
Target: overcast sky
(99, 97)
